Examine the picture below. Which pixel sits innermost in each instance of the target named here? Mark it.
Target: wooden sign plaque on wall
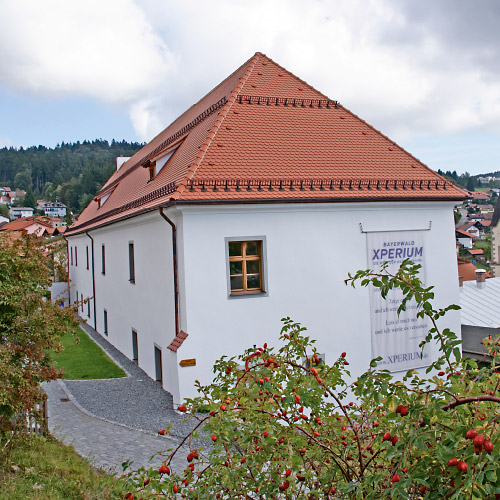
(188, 362)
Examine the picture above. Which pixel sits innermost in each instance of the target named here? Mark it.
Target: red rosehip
(182, 408)
(396, 478)
(471, 434)
(462, 466)
(488, 446)
(223, 407)
(161, 432)
(346, 362)
(452, 462)
(394, 440)
(478, 441)
(288, 472)
(387, 436)
(266, 434)
(214, 438)
(297, 398)
(243, 460)
(175, 488)
(343, 355)
(441, 374)
(422, 489)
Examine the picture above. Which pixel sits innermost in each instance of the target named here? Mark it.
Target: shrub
(283, 424)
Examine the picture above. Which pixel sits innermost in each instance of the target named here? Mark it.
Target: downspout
(67, 265)
(93, 281)
(176, 279)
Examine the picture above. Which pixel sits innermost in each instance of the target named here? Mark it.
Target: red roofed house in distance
(228, 221)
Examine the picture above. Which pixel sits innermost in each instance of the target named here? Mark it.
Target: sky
(426, 73)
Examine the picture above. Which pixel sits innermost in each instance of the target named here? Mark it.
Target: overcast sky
(424, 72)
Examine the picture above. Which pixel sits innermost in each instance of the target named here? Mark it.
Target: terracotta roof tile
(265, 135)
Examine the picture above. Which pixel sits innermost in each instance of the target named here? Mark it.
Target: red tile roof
(460, 234)
(476, 251)
(23, 223)
(467, 270)
(264, 135)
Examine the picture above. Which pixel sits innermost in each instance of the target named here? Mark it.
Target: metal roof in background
(481, 305)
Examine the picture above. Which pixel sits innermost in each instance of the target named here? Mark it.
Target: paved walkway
(114, 420)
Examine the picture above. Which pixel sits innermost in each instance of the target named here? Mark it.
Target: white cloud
(409, 68)
(105, 50)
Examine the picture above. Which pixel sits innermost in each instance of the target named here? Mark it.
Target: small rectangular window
(88, 309)
(105, 322)
(245, 267)
(81, 302)
(103, 259)
(87, 252)
(131, 265)
(76, 256)
(71, 255)
(135, 348)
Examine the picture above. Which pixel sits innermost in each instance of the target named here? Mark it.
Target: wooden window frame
(244, 258)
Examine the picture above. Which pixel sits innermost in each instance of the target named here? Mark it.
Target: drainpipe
(67, 265)
(93, 280)
(176, 280)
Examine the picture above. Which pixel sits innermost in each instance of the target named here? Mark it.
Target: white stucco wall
(147, 306)
(307, 262)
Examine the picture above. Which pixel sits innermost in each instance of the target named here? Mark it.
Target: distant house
(464, 238)
(495, 241)
(52, 209)
(19, 212)
(480, 313)
(479, 197)
(28, 225)
(471, 228)
(3, 219)
(477, 253)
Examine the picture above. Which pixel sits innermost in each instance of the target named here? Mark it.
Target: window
(105, 322)
(245, 267)
(81, 301)
(88, 309)
(71, 252)
(131, 267)
(135, 348)
(76, 256)
(87, 251)
(103, 259)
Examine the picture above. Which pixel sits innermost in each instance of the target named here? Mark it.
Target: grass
(84, 360)
(43, 468)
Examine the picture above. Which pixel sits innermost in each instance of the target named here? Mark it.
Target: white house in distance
(52, 208)
(19, 212)
(228, 221)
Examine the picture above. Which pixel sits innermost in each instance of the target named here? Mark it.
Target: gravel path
(113, 420)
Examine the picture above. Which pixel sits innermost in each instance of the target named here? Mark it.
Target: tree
(30, 200)
(4, 209)
(29, 326)
(282, 424)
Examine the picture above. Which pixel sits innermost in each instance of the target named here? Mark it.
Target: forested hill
(71, 173)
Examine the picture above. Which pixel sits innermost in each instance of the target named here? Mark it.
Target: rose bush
(283, 424)
(30, 324)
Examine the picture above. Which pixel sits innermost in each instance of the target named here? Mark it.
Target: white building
(228, 221)
(18, 212)
(52, 209)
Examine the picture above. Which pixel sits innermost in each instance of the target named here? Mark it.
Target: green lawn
(84, 360)
(43, 468)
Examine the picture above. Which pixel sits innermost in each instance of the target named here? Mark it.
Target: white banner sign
(396, 338)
